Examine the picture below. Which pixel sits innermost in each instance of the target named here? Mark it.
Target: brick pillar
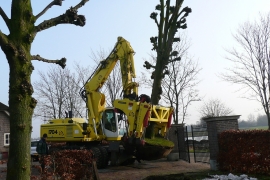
(216, 125)
(172, 136)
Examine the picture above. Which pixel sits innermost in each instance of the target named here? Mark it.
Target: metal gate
(183, 148)
(200, 143)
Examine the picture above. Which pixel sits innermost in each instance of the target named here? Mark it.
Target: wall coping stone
(221, 118)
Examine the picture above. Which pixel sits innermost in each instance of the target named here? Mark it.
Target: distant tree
(262, 120)
(252, 62)
(58, 92)
(246, 124)
(23, 28)
(171, 19)
(180, 85)
(112, 86)
(214, 108)
(251, 118)
(249, 122)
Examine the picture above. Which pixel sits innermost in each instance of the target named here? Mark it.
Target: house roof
(3, 107)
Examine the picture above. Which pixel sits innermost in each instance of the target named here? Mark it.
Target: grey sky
(210, 28)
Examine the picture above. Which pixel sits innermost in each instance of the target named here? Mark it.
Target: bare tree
(251, 118)
(113, 85)
(171, 20)
(23, 27)
(58, 91)
(179, 87)
(251, 61)
(214, 108)
(50, 91)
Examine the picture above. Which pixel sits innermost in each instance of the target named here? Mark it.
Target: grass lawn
(257, 127)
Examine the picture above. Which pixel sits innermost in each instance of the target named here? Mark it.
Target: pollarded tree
(171, 19)
(180, 86)
(17, 46)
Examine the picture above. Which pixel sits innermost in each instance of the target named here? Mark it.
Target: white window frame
(6, 139)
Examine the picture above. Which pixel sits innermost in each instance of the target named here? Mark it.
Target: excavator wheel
(105, 156)
(98, 156)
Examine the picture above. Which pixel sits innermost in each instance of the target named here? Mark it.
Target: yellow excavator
(112, 133)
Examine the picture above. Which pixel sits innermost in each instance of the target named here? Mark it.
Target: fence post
(174, 155)
(216, 125)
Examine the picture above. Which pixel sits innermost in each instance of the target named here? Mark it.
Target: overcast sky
(210, 28)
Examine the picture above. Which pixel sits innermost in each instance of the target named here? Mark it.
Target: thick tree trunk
(157, 90)
(17, 47)
(268, 120)
(156, 93)
(21, 106)
(150, 131)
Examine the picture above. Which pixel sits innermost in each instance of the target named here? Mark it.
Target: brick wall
(216, 125)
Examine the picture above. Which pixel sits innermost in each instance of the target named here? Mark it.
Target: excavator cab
(113, 124)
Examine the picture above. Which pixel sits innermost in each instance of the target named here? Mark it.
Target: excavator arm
(95, 100)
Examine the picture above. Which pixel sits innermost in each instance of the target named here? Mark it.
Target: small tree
(252, 62)
(214, 108)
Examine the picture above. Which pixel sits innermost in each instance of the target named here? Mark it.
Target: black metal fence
(199, 144)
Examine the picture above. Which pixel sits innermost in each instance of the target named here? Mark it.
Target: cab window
(109, 120)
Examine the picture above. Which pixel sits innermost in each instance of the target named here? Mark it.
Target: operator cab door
(110, 123)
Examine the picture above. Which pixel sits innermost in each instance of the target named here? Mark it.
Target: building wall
(4, 128)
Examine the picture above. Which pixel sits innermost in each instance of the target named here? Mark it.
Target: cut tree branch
(70, 17)
(3, 40)
(4, 16)
(175, 59)
(61, 62)
(148, 65)
(82, 3)
(54, 2)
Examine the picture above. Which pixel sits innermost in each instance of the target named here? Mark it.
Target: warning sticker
(130, 105)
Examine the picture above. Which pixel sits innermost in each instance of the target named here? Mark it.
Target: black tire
(98, 156)
(105, 156)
